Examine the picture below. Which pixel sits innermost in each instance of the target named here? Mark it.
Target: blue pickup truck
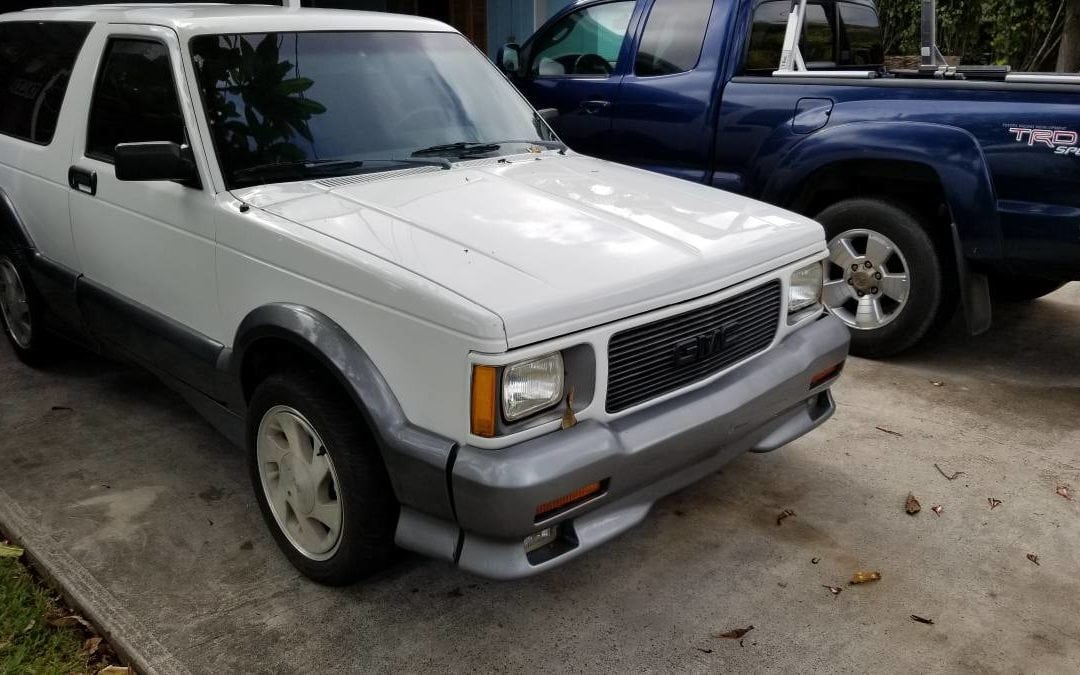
(937, 187)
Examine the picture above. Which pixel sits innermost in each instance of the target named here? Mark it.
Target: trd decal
(1062, 142)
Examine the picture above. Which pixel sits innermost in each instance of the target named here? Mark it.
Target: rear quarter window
(36, 59)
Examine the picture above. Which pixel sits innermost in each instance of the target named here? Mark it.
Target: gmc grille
(651, 360)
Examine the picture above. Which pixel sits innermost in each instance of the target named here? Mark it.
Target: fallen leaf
(29, 626)
(703, 651)
(736, 633)
(835, 590)
(954, 476)
(781, 584)
(912, 505)
(1033, 558)
(92, 645)
(994, 503)
(787, 513)
(937, 508)
(916, 617)
(1063, 490)
(937, 383)
(8, 551)
(814, 561)
(568, 418)
(71, 621)
(865, 577)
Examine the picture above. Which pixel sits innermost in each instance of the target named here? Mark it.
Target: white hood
(552, 244)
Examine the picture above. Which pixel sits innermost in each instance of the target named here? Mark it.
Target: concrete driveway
(136, 503)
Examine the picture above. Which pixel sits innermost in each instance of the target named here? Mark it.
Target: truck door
(573, 65)
(146, 248)
(663, 119)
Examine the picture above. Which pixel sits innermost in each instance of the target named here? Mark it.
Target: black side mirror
(155, 160)
(508, 58)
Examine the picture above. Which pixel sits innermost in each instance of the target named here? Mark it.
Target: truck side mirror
(548, 114)
(509, 58)
(155, 160)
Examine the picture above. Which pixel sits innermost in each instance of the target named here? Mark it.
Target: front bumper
(640, 458)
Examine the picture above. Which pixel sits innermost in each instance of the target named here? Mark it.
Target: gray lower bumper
(641, 457)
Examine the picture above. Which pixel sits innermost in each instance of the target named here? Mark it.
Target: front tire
(319, 479)
(887, 278)
(22, 312)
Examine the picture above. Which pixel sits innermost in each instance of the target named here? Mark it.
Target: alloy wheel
(300, 482)
(867, 281)
(15, 305)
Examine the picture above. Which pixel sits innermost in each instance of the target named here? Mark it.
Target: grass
(29, 643)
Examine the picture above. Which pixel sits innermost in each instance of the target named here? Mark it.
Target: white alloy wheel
(15, 305)
(300, 482)
(867, 283)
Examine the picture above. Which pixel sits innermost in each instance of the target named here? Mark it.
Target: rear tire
(887, 279)
(319, 479)
(22, 312)
(1021, 288)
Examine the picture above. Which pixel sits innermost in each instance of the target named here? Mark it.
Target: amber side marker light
(485, 380)
(826, 375)
(577, 496)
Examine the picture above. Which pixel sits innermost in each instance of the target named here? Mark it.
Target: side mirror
(548, 114)
(509, 58)
(155, 160)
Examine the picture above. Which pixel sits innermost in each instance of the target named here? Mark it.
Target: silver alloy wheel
(867, 283)
(300, 483)
(15, 305)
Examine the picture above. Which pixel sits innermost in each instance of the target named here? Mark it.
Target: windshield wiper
(313, 168)
(467, 148)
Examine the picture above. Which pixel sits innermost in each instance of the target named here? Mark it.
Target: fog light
(541, 539)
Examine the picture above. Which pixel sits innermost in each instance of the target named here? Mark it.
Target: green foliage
(28, 644)
(1021, 34)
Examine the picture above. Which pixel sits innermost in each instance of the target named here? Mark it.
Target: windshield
(285, 106)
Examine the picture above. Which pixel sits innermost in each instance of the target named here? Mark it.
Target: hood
(552, 244)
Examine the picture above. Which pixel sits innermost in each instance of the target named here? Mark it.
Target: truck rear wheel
(319, 479)
(21, 312)
(886, 278)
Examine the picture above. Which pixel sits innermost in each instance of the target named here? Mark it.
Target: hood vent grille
(342, 181)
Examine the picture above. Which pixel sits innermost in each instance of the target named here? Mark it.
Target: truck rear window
(36, 59)
(836, 35)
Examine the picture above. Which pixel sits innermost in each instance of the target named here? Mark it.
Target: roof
(200, 18)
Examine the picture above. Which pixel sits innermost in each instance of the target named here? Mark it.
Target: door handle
(593, 107)
(83, 180)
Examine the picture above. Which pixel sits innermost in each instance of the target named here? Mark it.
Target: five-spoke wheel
(867, 282)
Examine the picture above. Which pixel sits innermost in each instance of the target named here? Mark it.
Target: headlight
(531, 386)
(805, 290)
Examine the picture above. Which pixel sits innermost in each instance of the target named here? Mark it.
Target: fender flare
(11, 225)
(953, 154)
(416, 460)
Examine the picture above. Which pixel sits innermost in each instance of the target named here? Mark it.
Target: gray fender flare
(416, 460)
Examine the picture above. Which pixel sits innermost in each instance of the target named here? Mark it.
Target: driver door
(573, 65)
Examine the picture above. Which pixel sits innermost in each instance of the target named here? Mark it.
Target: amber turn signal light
(485, 380)
(579, 495)
(826, 375)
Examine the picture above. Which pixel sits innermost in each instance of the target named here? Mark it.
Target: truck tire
(1020, 288)
(22, 312)
(886, 279)
(319, 479)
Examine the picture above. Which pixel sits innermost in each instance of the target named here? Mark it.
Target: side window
(35, 63)
(134, 99)
(770, 25)
(860, 36)
(674, 33)
(586, 42)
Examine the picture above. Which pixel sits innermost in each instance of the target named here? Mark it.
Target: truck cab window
(860, 36)
(835, 35)
(134, 99)
(674, 33)
(585, 42)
